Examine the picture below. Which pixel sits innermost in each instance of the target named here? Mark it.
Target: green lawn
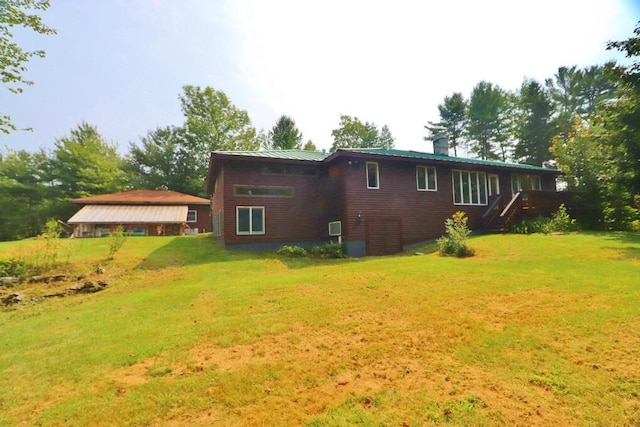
(533, 330)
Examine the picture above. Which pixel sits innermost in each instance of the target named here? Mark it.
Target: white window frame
(497, 179)
(478, 190)
(251, 232)
(195, 215)
(520, 181)
(377, 186)
(426, 178)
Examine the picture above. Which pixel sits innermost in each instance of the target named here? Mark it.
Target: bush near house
(292, 252)
(454, 242)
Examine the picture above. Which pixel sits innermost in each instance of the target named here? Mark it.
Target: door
(494, 185)
(384, 236)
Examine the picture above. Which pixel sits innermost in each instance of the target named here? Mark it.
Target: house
(143, 213)
(376, 201)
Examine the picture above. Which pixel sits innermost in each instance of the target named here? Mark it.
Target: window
(253, 190)
(192, 216)
(525, 182)
(372, 176)
(469, 188)
(494, 185)
(289, 170)
(249, 220)
(426, 177)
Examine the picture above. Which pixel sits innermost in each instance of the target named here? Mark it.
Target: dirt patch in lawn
(365, 356)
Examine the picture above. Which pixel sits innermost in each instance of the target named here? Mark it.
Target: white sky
(120, 64)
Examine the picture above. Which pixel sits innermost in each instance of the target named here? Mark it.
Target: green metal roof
(317, 156)
(314, 156)
(443, 158)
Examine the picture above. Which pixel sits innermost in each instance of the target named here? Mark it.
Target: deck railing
(524, 204)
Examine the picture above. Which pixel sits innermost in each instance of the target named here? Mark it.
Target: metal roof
(443, 158)
(320, 157)
(143, 197)
(314, 156)
(130, 214)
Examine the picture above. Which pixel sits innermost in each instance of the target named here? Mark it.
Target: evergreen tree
(159, 163)
(310, 146)
(453, 117)
(284, 135)
(84, 164)
(26, 194)
(488, 125)
(535, 127)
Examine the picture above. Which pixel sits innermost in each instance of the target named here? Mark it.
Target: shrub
(51, 237)
(560, 222)
(116, 240)
(454, 242)
(292, 252)
(529, 226)
(328, 250)
(13, 267)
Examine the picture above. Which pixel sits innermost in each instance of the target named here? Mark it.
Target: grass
(533, 330)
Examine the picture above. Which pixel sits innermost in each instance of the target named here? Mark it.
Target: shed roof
(130, 214)
(143, 197)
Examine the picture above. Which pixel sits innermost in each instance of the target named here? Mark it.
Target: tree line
(496, 124)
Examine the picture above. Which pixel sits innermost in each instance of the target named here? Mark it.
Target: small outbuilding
(142, 213)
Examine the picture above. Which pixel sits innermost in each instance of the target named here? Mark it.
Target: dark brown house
(142, 213)
(376, 201)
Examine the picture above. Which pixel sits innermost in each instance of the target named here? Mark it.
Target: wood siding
(203, 218)
(421, 213)
(385, 219)
(301, 217)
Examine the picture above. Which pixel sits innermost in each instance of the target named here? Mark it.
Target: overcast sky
(121, 64)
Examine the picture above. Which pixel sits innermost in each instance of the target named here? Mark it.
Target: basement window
(249, 220)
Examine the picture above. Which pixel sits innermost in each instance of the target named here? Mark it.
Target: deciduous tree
(13, 58)
(352, 133)
(212, 123)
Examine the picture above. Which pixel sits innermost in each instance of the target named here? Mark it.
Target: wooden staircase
(501, 214)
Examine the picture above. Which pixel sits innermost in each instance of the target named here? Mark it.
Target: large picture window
(373, 178)
(469, 188)
(249, 220)
(426, 178)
